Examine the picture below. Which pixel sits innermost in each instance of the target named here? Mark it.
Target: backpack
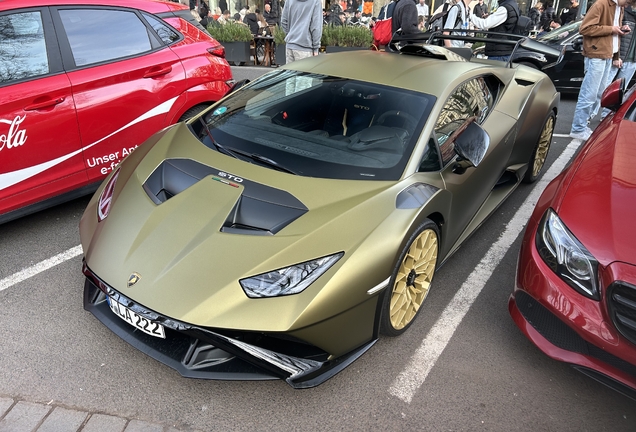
(524, 24)
(436, 22)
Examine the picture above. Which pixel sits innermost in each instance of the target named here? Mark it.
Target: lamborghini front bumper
(198, 352)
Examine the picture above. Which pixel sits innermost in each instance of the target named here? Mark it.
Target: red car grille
(621, 299)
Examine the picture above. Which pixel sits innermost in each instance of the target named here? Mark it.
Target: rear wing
(422, 44)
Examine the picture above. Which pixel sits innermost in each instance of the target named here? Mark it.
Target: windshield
(560, 33)
(320, 126)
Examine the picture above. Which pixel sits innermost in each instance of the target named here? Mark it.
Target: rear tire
(411, 280)
(540, 153)
(192, 112)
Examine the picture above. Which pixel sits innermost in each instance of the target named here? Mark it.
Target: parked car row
(278, 232)
(82, 83)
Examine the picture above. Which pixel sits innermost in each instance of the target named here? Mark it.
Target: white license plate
(137, 321)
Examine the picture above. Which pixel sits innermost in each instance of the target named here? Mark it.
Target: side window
(430, 158)
(472, 98)
(165, 32)
(22, 47)
(99, 35)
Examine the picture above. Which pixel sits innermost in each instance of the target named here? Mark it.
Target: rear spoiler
(415, 44)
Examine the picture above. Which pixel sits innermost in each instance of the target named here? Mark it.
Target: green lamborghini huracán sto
(279, 232)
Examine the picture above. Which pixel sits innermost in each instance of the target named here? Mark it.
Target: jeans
(627, 72)
(500, 58)
(592, 87)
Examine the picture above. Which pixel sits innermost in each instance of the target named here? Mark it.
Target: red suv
(83, 82)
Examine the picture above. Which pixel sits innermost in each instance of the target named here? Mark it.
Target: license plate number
(135, 320)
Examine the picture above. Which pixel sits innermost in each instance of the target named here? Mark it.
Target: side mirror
(577, 44)
(237, 85)
(472, 143)
(612, 97)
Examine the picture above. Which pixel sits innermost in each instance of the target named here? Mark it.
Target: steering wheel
(409, 120)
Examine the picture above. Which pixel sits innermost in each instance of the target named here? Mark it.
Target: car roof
(411, 72)
(152, 6)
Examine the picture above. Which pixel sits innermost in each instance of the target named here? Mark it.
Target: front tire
(540, 153)
(411, 280)
(192, 112)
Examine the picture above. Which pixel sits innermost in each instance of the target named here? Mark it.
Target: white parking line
(561, 135)
(39, 267)
(413, 376)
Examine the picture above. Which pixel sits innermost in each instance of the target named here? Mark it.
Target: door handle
(46, 104)
(155, 72)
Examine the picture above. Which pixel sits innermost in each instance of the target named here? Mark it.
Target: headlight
(566, 256)
(106, 198)
(288, 280)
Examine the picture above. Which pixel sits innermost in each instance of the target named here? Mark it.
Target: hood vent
(260, 210)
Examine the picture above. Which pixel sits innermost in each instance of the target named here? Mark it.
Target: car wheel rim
(543, 146)
(413, 279)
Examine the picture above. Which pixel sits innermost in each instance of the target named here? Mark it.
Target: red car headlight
(106, 198)
(566, 255)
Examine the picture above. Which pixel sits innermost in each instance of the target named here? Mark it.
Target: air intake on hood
(260, 210)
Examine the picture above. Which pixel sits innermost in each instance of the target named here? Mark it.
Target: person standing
(547, 15)
(535, 15)
(569, 15)
(422, 8)
(627, 50)
(480, 10)
(503, 20)
(457, 18)
(405, 17)
(601, 30)
(302, 22)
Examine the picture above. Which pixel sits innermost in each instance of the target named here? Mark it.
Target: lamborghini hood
(192, 222)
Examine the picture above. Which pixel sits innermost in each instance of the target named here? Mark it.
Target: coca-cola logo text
(14, 137)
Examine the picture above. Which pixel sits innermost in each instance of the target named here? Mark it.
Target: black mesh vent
(550, 327)
(621, 302)
(563, 336)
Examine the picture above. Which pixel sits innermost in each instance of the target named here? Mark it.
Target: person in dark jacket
(480, 10)
(548, 15)
(503, 20)
(569, 15)
(405, 17)
(535, 15)
(252, 21)
(270, 16)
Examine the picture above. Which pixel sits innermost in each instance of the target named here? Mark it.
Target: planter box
(333, 49)
(237, 53)
(279, 54)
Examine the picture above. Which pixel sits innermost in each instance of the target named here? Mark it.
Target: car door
(470, 188)
(40, 154)
(124, 79)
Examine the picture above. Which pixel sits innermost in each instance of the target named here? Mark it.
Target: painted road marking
(26, 273)
(413, 376)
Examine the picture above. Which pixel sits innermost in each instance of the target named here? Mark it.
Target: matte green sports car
(279, 232)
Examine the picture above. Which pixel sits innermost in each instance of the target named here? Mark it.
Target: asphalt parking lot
(475, 371)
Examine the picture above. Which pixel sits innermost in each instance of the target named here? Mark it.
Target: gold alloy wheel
(413, 279)
(543, 146)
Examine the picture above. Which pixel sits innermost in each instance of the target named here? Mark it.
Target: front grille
(562, 335)
(622, 307)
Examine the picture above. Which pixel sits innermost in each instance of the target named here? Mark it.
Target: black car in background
(566, 75)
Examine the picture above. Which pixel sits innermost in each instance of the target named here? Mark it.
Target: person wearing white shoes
(600, 29)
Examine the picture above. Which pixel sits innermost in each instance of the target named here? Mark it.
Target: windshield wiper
(265, 160)
(219, 147)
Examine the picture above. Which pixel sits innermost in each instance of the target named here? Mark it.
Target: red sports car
(83, 82)
(575, 294)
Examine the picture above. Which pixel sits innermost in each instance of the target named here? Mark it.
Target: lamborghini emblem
(133, 279)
